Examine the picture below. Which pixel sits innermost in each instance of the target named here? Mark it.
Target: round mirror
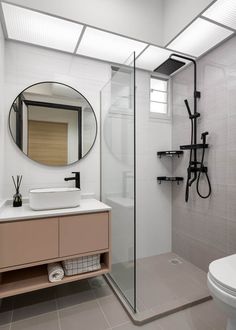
(53, 124)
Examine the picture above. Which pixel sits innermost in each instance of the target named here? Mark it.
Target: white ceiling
(108, 46)
(224, 12)
(40, 29)
(199, 37)
(37, 28)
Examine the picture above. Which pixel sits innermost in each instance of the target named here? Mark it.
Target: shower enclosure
(118, 173)
(147, 274)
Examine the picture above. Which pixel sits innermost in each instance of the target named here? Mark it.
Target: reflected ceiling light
(223, 11)
(107, 46)
(152, 57)
(40, 29)
(199, 37)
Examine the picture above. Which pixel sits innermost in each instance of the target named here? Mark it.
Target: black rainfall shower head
(169, 66)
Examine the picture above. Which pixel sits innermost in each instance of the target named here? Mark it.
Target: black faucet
(76, 178)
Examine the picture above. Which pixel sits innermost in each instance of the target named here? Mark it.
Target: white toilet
(222, 285)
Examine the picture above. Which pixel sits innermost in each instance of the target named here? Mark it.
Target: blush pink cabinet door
(23, 242)
(83, 233)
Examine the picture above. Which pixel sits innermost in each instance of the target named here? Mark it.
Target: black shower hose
(207, 177)
(188, 183)
(189, 172)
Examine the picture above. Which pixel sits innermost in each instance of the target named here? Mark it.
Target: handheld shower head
(188, 109)
(191, 116)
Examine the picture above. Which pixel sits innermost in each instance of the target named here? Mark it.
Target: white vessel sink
(54, 198)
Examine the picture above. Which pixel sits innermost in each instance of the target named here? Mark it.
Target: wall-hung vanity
(29, 240)
(52, 124)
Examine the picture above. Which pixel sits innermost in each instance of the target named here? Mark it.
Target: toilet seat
(223, 274)
(221, 286)
(221, 281)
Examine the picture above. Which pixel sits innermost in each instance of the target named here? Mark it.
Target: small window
(159, 96)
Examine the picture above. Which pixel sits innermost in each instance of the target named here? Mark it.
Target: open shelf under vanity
(35, 278)
(46, 240)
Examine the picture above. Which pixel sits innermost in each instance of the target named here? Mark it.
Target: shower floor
(166, 283)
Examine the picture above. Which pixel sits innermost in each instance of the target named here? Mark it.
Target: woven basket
(81, 265)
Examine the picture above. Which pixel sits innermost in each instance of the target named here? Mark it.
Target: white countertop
(10, 213)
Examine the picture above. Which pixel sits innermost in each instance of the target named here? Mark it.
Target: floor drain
(175, 261)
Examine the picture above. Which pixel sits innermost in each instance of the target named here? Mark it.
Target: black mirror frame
(53, 82)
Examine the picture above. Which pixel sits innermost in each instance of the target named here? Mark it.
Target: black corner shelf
(170, 179)
(194, 146)
(170, 153)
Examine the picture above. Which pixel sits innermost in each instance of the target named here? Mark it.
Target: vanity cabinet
(28, 241)
(27, 246)
(84, 233)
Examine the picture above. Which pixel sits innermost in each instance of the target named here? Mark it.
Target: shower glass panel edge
(118, 167)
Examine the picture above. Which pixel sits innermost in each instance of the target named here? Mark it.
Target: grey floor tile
(152, 292)
(100, 287)
(5, 311)
(72, 294)
(87, 316)
(105, 291)
(184, 320)
(166, 278)
(34, 304)
(113, 310)
(97, 282)
(131, 326)
(44, 322)
(210, 313)
(5, 327)
(91, 304)
(188, 319)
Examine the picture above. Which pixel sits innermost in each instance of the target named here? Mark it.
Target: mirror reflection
(53, 124)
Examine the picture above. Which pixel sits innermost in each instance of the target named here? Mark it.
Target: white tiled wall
(2, 148)
(26, 65)
(153, 199)
(204, 230)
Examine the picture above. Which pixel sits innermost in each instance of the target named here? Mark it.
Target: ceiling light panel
(40, 29)
(199, 37)
(224, 12)
(152, 57)
(107, 46)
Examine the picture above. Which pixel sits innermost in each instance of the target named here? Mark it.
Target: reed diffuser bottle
(17, 198)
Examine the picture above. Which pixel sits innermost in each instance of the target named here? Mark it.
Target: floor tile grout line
(32, 317)
(57, 310)
(77, 305)
(58, 315)
(10, 326)
(103, 313)
(123, 323)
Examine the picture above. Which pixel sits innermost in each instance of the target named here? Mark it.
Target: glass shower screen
(118, 173)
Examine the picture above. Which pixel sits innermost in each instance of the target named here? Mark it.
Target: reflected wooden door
(48, 142)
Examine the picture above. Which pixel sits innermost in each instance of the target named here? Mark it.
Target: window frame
(157, 115)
